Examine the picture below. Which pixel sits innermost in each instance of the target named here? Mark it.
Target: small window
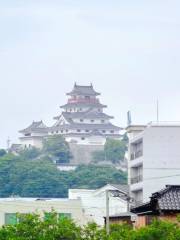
(87, 97)
(102, 120)
(66, 130)
(112, 131)
(82, 138)
(61, 131)
(70, 110)
(56, 131)
(80, 109)
(10, 218)
(52, 132)
(81, 120)
(92, 120)
(104, 131)
(27, 134)
(86, 130)
(78, 130)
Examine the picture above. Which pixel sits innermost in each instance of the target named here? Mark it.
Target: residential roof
(122, 187)
(167, 199)
(35, 127)
(83, 90)
(122, 214)
(81, 105)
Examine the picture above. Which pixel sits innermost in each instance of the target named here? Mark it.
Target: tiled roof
(83, 90)
(90, 114)
(81, 105)
(35, 127)
(84, 126)
(122, 187)
(167, 199)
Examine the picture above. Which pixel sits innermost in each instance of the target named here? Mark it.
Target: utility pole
(107, 212)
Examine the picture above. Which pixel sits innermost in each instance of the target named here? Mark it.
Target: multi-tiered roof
(83, 115)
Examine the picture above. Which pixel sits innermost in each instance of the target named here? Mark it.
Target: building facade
(9, 207)
(94, 202)
(82, 121)
(153, 158)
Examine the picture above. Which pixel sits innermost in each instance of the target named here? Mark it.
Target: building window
(64, 215)
(52, 132)
(56, 131)
(86, 130)
(78, 130)
(87, 97)
(70, 110)
(102, 121)
(112, 131)
(80, 109)
(10, 218)
(92, 120)
(66, 130)
(81, 120)
(61, 131)
(82, 138)
(104, 131)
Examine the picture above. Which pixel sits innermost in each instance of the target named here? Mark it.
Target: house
(122, 218)
(94, 201)
(163, 205)
(71, 208)
(153, 158)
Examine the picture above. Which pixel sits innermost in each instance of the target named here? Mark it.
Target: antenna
(157, 109)
(129, 121)
(8, 143)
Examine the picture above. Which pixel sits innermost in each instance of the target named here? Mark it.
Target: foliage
(2, 152)
(57, 148)
(30, 153)
(33, 227)
(114, 151)
(25, 177)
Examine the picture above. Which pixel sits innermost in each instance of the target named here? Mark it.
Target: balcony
(137, 179)
(137, 154)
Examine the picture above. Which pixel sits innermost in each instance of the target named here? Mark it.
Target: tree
(2, 152)
(114, 151)
(30, 153)
(57, 148)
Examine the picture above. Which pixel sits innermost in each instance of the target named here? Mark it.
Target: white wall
(21, 205)
(94, 203)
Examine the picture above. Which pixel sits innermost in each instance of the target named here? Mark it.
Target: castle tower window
(87, 97)
(66, 130)
(102, 120)
(56, 131)
(61, 131)
(86, 130)
(82, 138)
(104, 131)
(92, 120)
(78, 130)
(112, 131)
(81, 120)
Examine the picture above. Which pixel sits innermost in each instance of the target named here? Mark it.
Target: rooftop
(167, 199)
(81, 105)
(83, 90)
(35, 127)
(90, 114)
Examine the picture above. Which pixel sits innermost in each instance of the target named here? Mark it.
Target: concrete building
(94, 201)
(153, 158)
(9, 207)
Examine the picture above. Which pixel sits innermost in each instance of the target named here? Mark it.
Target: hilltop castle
(82, 121)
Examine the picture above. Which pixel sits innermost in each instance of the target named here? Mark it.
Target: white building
(82, 121)
(71, 208)
(154, 158)
(94, 202)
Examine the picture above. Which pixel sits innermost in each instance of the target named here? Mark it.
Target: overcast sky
(129, 50)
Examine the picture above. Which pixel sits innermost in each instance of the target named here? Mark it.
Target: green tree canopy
(57, 148)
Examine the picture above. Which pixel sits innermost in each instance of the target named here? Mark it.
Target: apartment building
(153, 158)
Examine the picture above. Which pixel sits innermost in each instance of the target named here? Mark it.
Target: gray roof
(122, 187)
(167, 199)
(84, 126)
(35, 127)
(83, 90)
(81, 105)
(90, 114)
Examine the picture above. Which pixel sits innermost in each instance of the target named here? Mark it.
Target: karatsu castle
(82, 121)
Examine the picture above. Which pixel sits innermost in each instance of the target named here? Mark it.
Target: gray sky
(129, 50)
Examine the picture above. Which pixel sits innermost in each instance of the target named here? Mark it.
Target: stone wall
(82, 154)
